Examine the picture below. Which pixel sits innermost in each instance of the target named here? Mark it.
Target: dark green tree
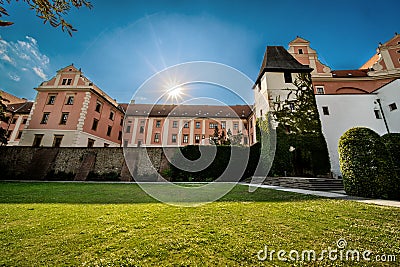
(300, 132)
(49, 11)
(3, 137)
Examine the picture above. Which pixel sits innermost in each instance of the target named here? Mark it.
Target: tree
(300, 130)
(52, 11)
(3, 137)
(235, 139)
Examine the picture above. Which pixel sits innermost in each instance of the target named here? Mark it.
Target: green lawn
(88, 224)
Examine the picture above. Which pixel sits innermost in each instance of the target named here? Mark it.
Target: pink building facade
(71, 111)
(171, 125)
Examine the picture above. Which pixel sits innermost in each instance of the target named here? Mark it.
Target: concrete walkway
(336, 195)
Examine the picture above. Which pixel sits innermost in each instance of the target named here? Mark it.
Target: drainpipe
(383, 115)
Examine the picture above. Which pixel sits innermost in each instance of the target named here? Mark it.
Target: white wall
(345, 112)
(389, 94)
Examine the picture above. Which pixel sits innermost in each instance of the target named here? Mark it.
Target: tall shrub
(392, 142)
(300, 128)
(366, 165)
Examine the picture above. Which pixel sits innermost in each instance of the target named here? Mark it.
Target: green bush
(392, 142)
(218, 165)
(366, 165)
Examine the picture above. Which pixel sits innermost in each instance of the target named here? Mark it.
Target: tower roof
(278, 59)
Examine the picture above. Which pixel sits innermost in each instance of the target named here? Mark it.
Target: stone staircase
(316, 184)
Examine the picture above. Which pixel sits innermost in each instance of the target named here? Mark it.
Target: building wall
(390, 94)
(346, 112)
(15, 129)
(166, 130)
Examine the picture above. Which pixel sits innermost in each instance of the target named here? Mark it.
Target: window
(19, 135)
(128, 129)
(109, 129)
(45, 118)
(90, 142)
(139, 143)
(9, 132)
(198, 125)
(251, 124)
(235, 126)
(141, 129)
(300, 51)
(197, 138)
(377, 114)
(51, 99)
(173, 140)
(223, 124)
(24, 121)
(291, 106)
(392, 106)
(325, 110)
(320, 90)
(106, 145)
(158, 124)
(66, 81)
(175, 124)
(156, 138)
(70, 100)
(185, 138)
(120, 135)
(57, 140)
(213, 125)
(261, 113)
(98, 107)
(37, 140)
(288, 77)
(121, 121)
(14, 120)
(142, 122)
(125, 143)
(94, 125)
(186, 125)
(111, 117)
(64, 118)
(245, 141)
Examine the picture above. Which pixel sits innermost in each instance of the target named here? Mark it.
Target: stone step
(319, 184)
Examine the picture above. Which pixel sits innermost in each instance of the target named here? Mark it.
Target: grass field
(90, 224)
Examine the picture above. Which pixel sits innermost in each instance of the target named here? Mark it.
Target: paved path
(336, 195)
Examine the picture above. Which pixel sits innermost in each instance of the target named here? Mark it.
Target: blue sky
(120, 44)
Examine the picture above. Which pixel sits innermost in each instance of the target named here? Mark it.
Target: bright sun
(175, 92)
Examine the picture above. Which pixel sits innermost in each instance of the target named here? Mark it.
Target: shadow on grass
(114, 193)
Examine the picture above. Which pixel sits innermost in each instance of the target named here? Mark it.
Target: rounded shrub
(366, 165)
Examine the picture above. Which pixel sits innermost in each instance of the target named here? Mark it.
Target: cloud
(39, 72)
(5, 57)
(21, 58)
(14, 77)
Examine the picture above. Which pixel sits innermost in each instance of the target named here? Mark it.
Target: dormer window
(300, 51)
(66, 82)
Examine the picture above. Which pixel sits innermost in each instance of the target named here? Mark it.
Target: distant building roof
(196, 111)
(349, 73)
(22, 108)
(10, 99)
(278, 59)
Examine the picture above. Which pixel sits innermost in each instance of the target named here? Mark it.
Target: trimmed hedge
(218, 165)
(366, 165)
(392, 142)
